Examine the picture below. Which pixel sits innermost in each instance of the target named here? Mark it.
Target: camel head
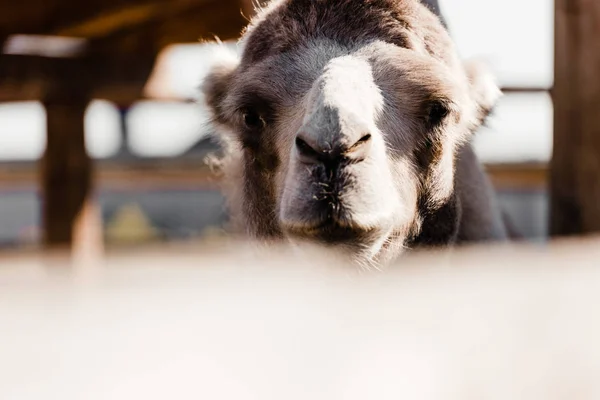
(342, 120)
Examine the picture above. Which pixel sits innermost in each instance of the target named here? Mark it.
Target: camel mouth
(331, 232)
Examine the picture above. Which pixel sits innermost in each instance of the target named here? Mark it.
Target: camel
(347, 124)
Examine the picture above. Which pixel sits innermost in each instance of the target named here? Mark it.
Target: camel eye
(253, 120)
(437, 112)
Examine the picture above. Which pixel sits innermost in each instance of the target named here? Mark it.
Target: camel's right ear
(484, 89)
(218, 80)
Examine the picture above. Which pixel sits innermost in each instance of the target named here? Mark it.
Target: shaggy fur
(317, 79)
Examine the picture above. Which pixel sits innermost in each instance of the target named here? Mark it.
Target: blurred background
(125, 74)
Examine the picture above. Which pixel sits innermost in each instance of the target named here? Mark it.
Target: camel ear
(217, 82)
(483, 87)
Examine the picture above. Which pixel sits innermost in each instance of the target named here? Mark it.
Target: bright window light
(179, 70)
(516, 37)
(47, 46)
(520, 130)
(102, 129)
(22, 131)
(164, 129)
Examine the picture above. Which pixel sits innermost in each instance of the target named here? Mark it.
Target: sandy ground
(227, 322)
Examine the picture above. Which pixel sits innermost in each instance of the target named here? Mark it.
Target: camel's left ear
(483, 88)
(216, 83)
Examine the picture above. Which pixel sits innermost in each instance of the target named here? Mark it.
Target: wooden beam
(120, 58)
(525, 89)
(48, 17)
(575, 166)
(133, 173)
(132, 17)
(189, 24)
(116, 78)
(108, 22)
(66, 170)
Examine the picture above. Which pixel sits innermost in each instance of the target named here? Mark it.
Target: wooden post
(66, 170)
(124, 149)
(575, 166)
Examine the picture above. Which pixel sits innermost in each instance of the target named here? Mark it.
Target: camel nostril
(307, 152)
(359, 150)
(362, 140)
(324, 153)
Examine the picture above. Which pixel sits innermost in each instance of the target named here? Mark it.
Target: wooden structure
(122, 40)
(575, 177)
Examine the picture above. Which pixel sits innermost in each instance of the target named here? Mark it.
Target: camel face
(342, 120)
(341, 172)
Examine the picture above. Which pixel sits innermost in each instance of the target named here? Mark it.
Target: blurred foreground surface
(227, 323)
